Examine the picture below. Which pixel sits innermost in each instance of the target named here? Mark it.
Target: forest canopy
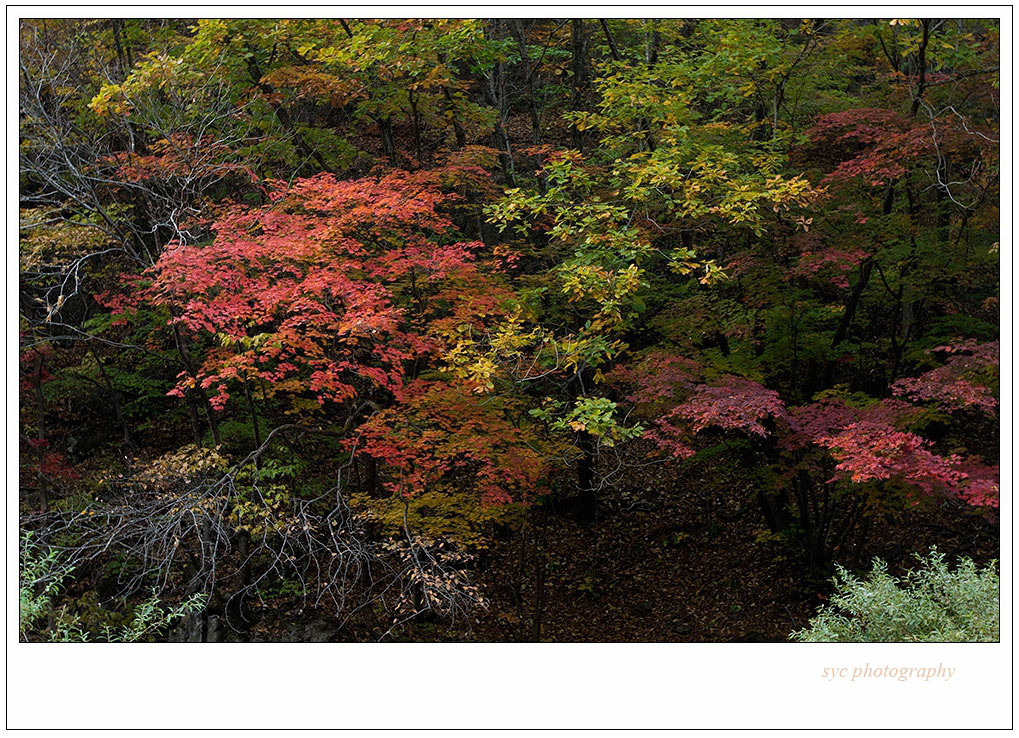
(504, 329)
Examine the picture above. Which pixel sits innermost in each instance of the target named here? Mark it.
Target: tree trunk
(42, 495)
(493, 87)
(586, 499)
(579, 49)
(388, 143)
(114, 396)
(532, 103)
(196, 393)
(458, 129)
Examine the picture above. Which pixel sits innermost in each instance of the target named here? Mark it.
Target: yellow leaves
(712, 273)
(628, 281)
(581, 281)
(110, 100)
(514, 353)
(263, 517)
(156, 71)
(187, 462)
(302, 406)
(47, 239)
(480, 374)
(609, 289)
(445, 510)
(467, 363)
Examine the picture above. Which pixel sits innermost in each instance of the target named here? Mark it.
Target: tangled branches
(189, 522)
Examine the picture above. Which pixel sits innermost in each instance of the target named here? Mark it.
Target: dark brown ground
(657, 567)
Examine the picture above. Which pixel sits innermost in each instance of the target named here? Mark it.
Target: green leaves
(597, 416)
(932, 603)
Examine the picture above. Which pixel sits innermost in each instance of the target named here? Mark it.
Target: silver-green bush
(931, 603)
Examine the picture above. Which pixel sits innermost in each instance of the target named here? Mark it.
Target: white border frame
(268, 686)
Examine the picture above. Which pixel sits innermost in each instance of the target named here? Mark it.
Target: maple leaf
(955, 385)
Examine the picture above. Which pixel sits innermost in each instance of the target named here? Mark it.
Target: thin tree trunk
(254, 417)
(579, 49)
(40, 415)
(458, 129)
(612, 42)
(416, 120)
(388, 143)
(196, 393)
(861, 284)
(652, 40)
(114, 396)
(586, 498)
(532, 103)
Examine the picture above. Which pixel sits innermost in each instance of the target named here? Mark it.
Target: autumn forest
(353, 330)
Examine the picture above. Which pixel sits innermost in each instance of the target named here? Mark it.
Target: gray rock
(316, 630)
(188, 630)
(213, 630)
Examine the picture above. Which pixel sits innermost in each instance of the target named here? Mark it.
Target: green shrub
(931, 604)
(43, 617)
(41, 576)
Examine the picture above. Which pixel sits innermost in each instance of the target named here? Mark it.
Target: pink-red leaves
(307, 288)
(981, 486)
(870, 451)
(733, 404)
(953, 386)
(875, 145)
(866, 440)
(867, 451)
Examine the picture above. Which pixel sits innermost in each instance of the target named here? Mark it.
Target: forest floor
(676, 564)
(662, 567)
